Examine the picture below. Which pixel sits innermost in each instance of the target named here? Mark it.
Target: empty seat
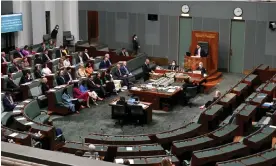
(32, 111)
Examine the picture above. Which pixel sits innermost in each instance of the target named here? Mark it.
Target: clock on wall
(185, 9)
(238, 12)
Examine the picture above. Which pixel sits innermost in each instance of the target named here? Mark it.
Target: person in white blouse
(45, 70)
(66, 62)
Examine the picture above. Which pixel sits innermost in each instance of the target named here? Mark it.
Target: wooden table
(154, 96)
(228, 99)
(147, 109)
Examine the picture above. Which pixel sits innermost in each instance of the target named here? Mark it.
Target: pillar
(38, 21)
(24, 37)
(71, 18)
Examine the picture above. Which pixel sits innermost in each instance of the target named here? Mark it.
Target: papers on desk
(21, 118)
(16, 111)
(149, 85)
(272, 126)
(171, 90)
(131, 161)
(13, 134)
(52, 90)
(95, 72)
(19, 106)
(27, 83)
(197, 72)
(143, 105)
(51, 74)
(28, 123)
(119, 161)
(261, 96)
(129, 148)
(26, 101)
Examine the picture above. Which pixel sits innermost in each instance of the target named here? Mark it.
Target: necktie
(126, 70)
(47, 57)
(70, 76)
(120, 72)
(63, 79)
(124, 53)
(4, 59)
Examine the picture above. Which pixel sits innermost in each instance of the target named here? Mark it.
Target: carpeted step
(214, 76)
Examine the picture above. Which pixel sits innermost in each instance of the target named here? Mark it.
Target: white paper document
(21, 118)
(119, 161)
(16, 111)
(171, 90)
(29, 123)
(129, 148)
(13, 134)
(131, 161)
(20, 106)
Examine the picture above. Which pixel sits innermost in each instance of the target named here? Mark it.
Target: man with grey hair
(91, 150)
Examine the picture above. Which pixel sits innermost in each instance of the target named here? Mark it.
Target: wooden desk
(147, 109)
(228, 99)
(4, 68)
(257, 99)
(154, 96)
(18, 136)
(250, 79)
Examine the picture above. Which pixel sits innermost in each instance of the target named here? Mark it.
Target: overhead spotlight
(272, 25)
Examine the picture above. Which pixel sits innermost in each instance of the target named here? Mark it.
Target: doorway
(93, 25)
(236, 58)
(185, 38)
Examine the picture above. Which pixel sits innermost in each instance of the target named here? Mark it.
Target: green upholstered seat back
(32, 109)
(4, 79)
(16, 77)
(58, 94)
(55, 65)
(70, 90)
(35, 88)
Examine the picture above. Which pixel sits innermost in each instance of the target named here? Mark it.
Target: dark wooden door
(93, 24)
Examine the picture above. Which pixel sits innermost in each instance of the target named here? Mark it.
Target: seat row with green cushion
(150, 160)
(35, 91)
(189, 130)
(219, 153)
(260, 137)
(32, 111)
(56, 105)
(210, 114)
(225, 132)
(192, 144)
(267, 157)
(117, 140)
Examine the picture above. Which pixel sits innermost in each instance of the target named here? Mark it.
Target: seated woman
(26, 78)
(26, 51)
(67, 101)
(173, 66)
(60, 63)
(66, 62)
(81, 71)
(78, 94)
(44, 86)
(166, 162)
(95, 87)
(51, 45)
(25, 63)
(37, 72)
(89, 69)
(92, 94)
(45, 70)
(108, 82)
(217, 95)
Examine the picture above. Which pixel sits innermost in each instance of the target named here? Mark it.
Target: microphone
(102, 131)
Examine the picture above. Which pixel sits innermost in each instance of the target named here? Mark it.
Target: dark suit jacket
(11, 84)
(60, 80)
(38, 61)
(84, 57)
(37, 74)
(17, 55)
(7, 104)
(41, 49)
(97, 81)
(104, 65)
(91, 85)
(202, 52)
(146, 71)
(44, 88)
(67, 77)
(24, 79)
(173, 67)
(123, 70)
(2, 60)
(14, 68)
(123, 54)
(118, 73)
(203, 70)
(78, 60)
(135, 45)
(44, 58)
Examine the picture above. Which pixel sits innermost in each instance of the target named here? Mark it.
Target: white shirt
(81, 61)
(66, 63)
(46, 71)
(47, 57)
(198, 51)
(87, 55)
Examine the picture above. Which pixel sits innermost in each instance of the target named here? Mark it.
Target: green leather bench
(211, 116)
(35, 92)
(73, 147)
(32, 111)
(55, 103)
(267, 157)
(189, 130)
(117, 140)
(192, 144)
(225, 132)
(219, 153)
(150, 160)
(140, 150)
(260, 138)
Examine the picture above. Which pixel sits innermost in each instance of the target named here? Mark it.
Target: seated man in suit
(202, 69)
(45, 56)
(3, 57)
(18, 53)
(199, 52)
(27, 77)
(8, 102)
(118, 75)
(79, 58)
(38, 60)
(173, 66)
(105, 64)
(42, 48)
(94, 84)
(44, 86)
(67, 75)
(60, 78)
(125, 70)
(11, 85)
(146, 70)
(86, 56)
(14, 67)
(124, 52)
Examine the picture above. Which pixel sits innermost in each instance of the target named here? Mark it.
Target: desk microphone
(82, 141)
(102, 131)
